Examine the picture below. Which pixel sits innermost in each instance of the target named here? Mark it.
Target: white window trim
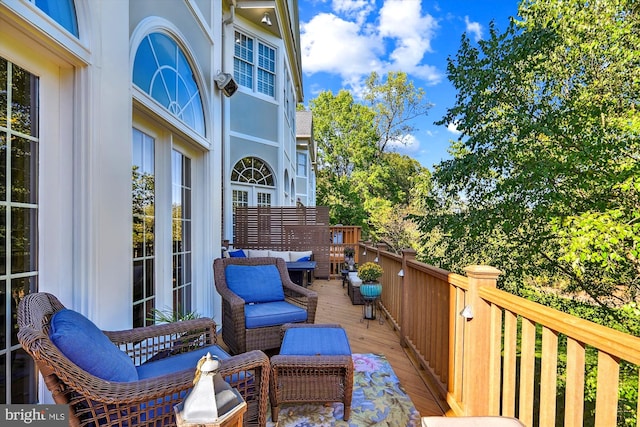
(254, 64)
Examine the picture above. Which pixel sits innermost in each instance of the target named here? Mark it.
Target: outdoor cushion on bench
(353, 288)
(287, 256)
(354, 279)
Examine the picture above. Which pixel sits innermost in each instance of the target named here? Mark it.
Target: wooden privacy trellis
(285, 229)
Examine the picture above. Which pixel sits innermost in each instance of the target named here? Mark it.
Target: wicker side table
(314, 365)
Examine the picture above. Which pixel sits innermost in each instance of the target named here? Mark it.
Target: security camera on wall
(226, 84)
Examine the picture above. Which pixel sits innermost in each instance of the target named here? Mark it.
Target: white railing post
(477, 327)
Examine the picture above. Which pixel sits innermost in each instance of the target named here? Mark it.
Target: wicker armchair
(94, 401)
(235, 334)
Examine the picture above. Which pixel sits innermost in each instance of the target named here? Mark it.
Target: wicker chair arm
(291, 289)
(302, 297)
(135, 392)
(244, 362)
(254, 388)
(230, 297)
(191, 326)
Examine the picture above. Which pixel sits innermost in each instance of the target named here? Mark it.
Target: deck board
(334, 306)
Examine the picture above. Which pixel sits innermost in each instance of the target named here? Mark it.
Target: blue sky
(344, 40)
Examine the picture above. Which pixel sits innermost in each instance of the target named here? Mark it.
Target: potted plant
(349, 254)
(369, 272)
(371, 289)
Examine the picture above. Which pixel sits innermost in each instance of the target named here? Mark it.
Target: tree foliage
(397, 103)
(544, 180)
(345, 137)
(359, 178)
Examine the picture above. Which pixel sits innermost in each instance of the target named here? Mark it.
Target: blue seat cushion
(304, 259)
(82, 342)
(315, 342)
(272, 313)
(178, 362)
(255, 283)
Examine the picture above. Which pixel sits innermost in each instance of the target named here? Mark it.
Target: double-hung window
(301, 169)
(254, 65)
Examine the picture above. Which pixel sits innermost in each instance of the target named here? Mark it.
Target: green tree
(397, 103)
(548, 155)
(344, 133)
(345, 137)
(390, 185)
(362, 181)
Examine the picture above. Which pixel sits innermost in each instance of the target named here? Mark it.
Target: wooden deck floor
(334, 306)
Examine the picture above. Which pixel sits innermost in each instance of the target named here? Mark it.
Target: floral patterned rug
(378, 399)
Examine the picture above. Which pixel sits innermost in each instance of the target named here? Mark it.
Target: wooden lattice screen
(286, 229)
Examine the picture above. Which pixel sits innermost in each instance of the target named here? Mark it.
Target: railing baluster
(456, 338)
(548, 378)
(574, 399)
(509, 367)
(638, 404)
(527, 371)
(607, 394)
(495, 362)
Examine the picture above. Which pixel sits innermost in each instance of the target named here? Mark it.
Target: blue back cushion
(255, 283)
(85, 345)
(237, 254)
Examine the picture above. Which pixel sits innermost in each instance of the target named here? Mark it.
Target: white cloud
(453, 128)
(358, 9)
(406, 144)
(351, 43)
(473, 28)
(344, 49)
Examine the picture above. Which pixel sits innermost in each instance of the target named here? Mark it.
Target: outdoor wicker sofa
(238, 331)
(173, 347)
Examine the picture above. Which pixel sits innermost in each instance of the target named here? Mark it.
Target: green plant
(169, 316)
(369, 272)
(349, 252)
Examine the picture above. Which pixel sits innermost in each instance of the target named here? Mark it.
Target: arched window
(61, 11)
(162, 70)
(286, 183)
(252, 170)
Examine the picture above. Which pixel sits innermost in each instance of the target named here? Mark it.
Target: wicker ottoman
(314, 365)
